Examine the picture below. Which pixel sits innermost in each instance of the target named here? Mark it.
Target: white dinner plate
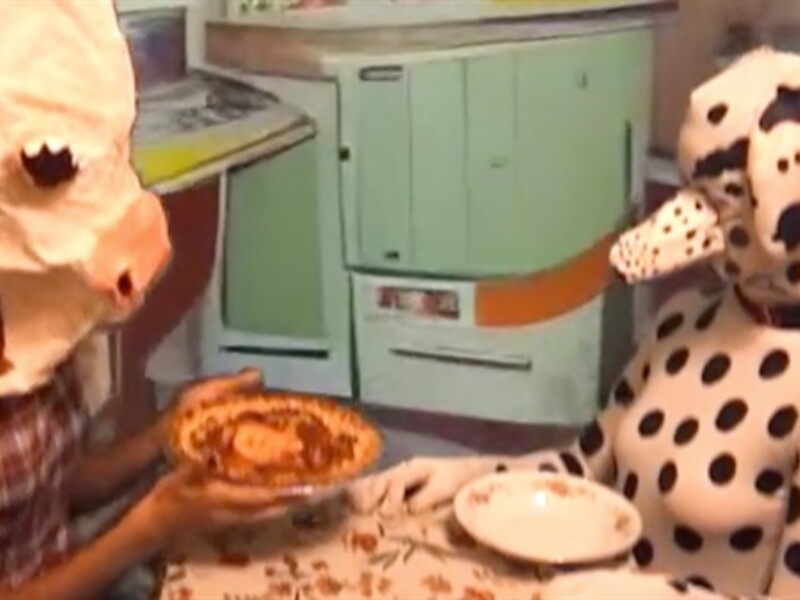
(548, 518)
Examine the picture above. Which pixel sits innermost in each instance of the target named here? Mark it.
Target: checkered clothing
(39, 437)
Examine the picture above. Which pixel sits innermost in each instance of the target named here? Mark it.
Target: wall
(685, 51)
(199, 11)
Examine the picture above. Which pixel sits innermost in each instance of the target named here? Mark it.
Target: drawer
(545, 373)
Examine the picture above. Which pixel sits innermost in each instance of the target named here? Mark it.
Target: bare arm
(103, 473)
(95, 567)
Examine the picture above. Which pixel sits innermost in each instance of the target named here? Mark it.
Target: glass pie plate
(297, 446)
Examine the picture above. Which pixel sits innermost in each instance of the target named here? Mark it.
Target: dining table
(328, 551)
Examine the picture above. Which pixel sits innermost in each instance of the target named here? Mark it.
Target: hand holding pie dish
(291, 444)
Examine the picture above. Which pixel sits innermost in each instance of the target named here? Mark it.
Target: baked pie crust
(277, 441)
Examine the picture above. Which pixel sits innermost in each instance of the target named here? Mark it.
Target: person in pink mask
(80, 244)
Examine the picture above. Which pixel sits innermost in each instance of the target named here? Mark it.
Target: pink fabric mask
(80, 241)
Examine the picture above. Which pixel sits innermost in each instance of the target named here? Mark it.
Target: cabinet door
(438, 140)
(572, 146)
(383, 158)
(272, 265)
(496, 232)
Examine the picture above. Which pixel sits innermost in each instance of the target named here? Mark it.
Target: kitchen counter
(313, 45)
(204, 124)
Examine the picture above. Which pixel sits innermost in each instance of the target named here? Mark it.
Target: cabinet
(495, 163)
(272, 273)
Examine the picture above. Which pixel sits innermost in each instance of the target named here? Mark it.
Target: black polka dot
(646, 372)
(651, 423)
(732, 269)
(722, 469)
(783, 165)
(731, 414)
(735, 190)
(623, 393)
(782, 422)
(700, 581)
(793, 273)
(571, 463)
(738, 237)
(793, 508)
(677, 360)
(773, 364)
(501, 468)
(678, 585)
(591, 440)
(715, 368)
(643, 553)
(717, 112)
(630, 486)
(746, 538)
(769, 481)
(687, 539)
(667, 477)
(669, 326)
(685, 431)
(548, 468)
(706, 318)
(791, 558)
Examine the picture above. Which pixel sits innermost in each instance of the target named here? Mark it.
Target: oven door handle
(461, 356)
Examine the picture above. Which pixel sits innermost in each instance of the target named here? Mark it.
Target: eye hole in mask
(48, 167)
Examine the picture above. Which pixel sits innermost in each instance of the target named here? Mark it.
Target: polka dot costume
(702, 430)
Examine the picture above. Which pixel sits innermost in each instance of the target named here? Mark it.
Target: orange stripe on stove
(547, 294)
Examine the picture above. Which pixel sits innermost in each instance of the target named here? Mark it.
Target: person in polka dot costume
(701, 430)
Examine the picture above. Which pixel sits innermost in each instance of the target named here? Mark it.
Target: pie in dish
(277, 441)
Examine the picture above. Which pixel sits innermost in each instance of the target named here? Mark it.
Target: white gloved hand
(416, 485)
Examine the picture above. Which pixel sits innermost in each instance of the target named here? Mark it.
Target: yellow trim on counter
(162, 160)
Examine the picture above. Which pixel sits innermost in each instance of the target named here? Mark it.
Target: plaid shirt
(40, 434)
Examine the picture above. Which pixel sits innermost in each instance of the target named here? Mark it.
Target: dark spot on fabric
(677, 360)
(687, 539)
(793, 273)
(769, 481)
(783, 165)
(735, 190)
(667, 477)
(646, 372)
(738, 237)
(773, 364)
(732, 269)
(690, 234)
(651, 423)
(643, 552)
(700, 581)
(717, 112)
(685, 431)
(733, 158)
(678, 585)
(782, 422)
(571, 464)
(548, 468)
(591, 440)
(784, 107)
(731, 414)
(793, 506)
(669, 326)
(501, 468)
(623, 393)
(722, 469)
(788, 229)
(707, 317)
(791, 558)
(630, 485)
(715, 369)
(746, 538)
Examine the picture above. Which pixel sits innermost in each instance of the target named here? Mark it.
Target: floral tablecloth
(331, 553)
